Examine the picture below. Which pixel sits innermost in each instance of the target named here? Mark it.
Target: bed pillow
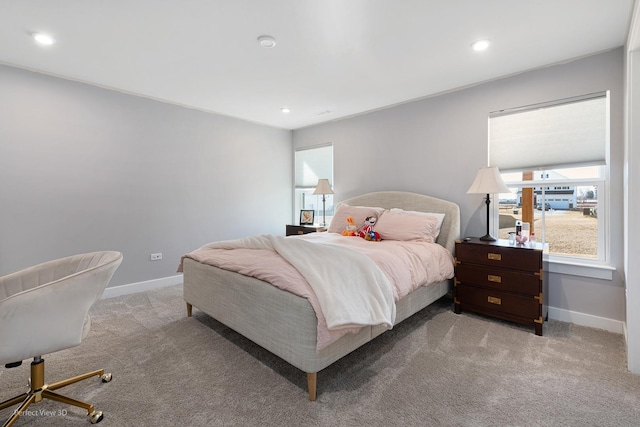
(403, 227)
(439, 216)
(359, 213)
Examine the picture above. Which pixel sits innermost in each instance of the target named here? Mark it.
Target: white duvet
(351, 289)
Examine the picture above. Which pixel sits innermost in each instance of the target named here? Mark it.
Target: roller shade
(313, 164)
(567, 133)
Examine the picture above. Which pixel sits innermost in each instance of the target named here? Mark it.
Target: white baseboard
(147, 285)
(616, 326)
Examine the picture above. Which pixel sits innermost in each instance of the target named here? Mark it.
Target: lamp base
(488, 238)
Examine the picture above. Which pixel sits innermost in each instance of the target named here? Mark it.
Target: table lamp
(488, 181)
(323, 188)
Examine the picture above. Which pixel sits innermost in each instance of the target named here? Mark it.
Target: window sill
(577, 268)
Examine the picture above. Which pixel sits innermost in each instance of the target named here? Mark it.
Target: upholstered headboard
(450, 230)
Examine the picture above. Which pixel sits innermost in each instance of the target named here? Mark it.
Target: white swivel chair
(44, 309)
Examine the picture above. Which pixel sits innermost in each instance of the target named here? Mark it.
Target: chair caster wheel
(95, 417)
(106, 378)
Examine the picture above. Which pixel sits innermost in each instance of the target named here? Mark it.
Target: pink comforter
(407, 265)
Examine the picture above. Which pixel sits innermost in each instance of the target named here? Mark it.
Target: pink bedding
(407, 265)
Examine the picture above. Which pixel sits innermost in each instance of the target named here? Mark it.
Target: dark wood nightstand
(501, 280)
(303, 229)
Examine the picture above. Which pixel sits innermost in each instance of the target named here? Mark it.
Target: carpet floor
(434, 369)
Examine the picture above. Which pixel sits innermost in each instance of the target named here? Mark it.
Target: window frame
(575, 265)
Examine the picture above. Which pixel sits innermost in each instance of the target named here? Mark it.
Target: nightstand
(501, 280)
(303, 229)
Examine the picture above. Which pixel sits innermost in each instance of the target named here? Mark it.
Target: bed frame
(285, 324)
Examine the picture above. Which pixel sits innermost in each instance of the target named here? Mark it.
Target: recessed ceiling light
(43, 39)
(285, 110)
(267, 41)
(480, 45)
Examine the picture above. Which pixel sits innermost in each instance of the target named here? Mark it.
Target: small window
(312, 164)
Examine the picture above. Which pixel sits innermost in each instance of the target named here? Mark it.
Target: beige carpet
(435, 369)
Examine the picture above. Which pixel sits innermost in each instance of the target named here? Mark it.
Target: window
(566, 210)
(312, 164)
(553, 158)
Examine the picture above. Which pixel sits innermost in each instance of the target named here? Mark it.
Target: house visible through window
(554, 159)
(312, 164)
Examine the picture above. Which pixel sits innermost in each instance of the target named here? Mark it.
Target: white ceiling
(345, 56)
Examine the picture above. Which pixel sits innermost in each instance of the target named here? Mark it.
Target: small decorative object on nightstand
(501, 280)
(303, 229)
(306, 217)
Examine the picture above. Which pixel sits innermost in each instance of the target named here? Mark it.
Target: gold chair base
(38, 390)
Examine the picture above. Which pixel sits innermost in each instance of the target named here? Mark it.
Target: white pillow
(439, 217)
(403, 227)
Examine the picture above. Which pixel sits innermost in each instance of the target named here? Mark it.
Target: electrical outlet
(156, 257)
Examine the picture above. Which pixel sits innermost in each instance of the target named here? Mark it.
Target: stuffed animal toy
(350, 229)
(369, 222)
(374, 236)
(366, 231)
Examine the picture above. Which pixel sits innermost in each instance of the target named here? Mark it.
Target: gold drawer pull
(495, 257)
(300, 232)
(494, 300)
(493, 278)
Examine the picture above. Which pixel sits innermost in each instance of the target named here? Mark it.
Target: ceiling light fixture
(43, 39)
(480, 45)
(285, 110)
(267, 41)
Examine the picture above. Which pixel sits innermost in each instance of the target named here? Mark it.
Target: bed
(286, 324)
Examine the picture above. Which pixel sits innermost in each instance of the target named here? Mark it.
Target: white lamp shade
(323, 187)
(488, 181)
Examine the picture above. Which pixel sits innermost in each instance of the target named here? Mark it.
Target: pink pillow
(399, 226)
(439, 217)
(359, 213)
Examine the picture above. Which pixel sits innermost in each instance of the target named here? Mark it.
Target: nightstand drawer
(500, 279)
(496, 302)
(514, 258)
(293, 230)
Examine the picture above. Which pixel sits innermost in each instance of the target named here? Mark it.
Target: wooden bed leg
(311, 385)
(189, 310)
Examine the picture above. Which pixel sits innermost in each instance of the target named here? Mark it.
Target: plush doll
(374, 236)
(366, 231)
(369, 222)
(350, 229)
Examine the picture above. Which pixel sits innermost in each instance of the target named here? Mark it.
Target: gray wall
(632, 191)
(436, 145)
(84, 168)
